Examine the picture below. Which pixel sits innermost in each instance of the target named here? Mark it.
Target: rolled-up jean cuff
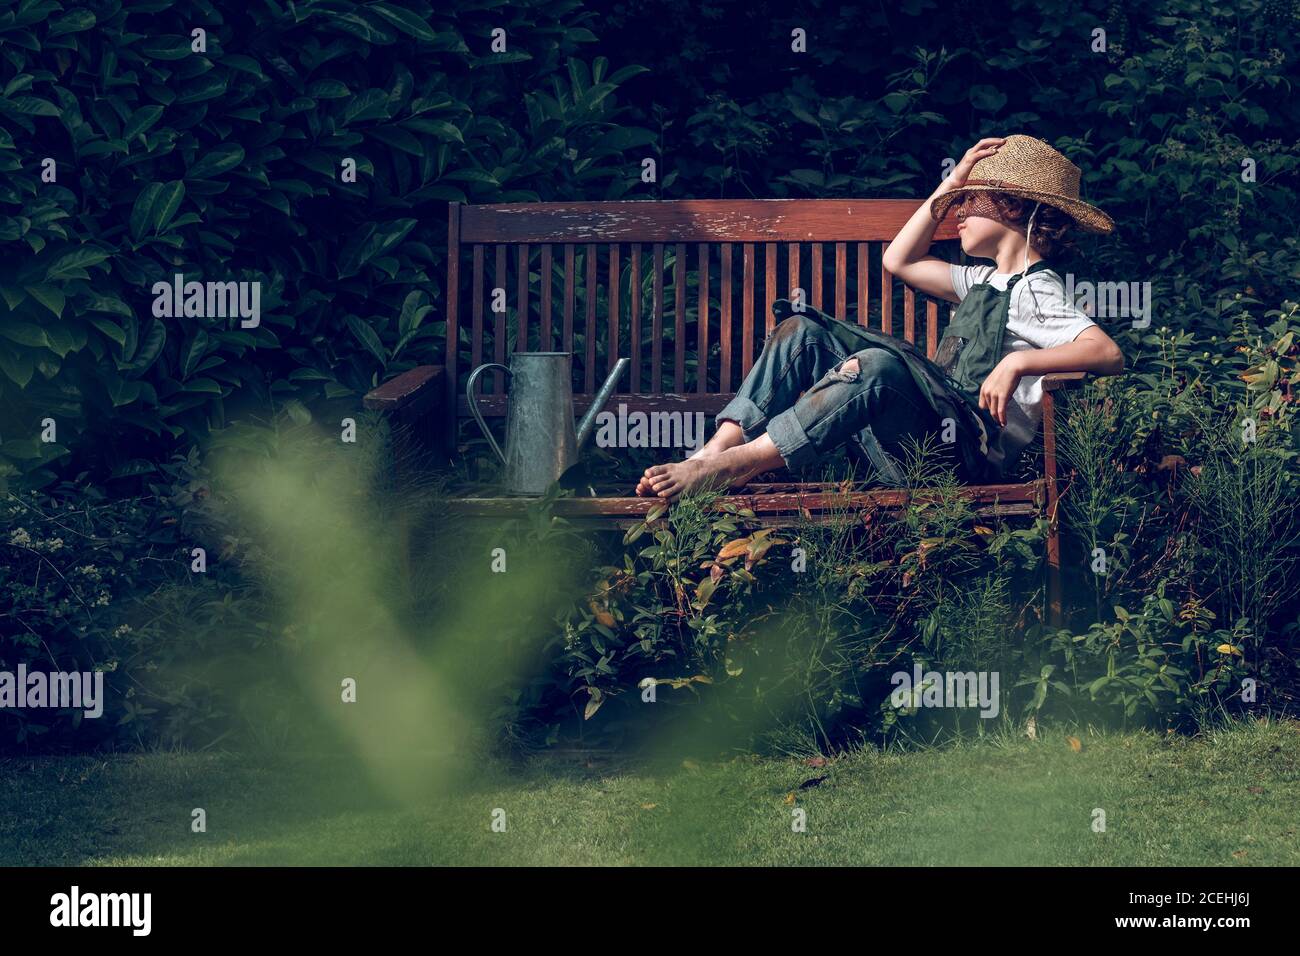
(744, 413)
(791, 441)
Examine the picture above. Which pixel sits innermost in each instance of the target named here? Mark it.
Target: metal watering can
(541, 443)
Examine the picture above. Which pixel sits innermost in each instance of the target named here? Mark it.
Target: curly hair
(1051, 226)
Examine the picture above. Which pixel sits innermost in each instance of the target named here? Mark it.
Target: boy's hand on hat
(961, 172)
(996, 392)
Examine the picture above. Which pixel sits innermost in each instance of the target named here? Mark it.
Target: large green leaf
(370, 105)
(404, 20)
(73, 22)
(216, 161)
(49, 296)
(367, 337)
(71, 263)
(193, 352)
(165, 206)
(373, 240)
(24, 333)
(141, 120)
(31, 106)
(110, 329)
(142, 209)
(17, 366)
(154, 207)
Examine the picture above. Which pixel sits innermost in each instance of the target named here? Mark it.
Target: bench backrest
(682, 287)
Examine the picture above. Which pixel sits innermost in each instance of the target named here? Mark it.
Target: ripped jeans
(799, 393)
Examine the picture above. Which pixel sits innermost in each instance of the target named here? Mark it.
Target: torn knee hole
(847, 371)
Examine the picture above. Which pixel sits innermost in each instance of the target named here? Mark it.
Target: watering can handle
(473, 407)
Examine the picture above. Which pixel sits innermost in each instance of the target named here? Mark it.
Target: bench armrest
(1054, 381)
(414, 403)
(405, 389)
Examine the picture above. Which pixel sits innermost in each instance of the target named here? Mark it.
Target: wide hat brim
(1089, 218)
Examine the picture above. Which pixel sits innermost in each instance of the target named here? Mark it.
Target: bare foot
(643, 485)
(672, 481)
(727, 436)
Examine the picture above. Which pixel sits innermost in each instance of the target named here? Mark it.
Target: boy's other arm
(908, 255)
(1091, 351)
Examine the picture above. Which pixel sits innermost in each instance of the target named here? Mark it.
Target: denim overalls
(896, 396)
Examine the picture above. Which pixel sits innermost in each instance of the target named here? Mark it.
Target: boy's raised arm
(908, 255)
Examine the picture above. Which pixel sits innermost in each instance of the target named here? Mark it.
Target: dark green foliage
(227, 165)
(79, 577)
(793, 634)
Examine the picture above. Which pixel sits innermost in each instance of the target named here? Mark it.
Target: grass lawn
(1229, 797)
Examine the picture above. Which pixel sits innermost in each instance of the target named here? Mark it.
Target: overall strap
(1042, 265)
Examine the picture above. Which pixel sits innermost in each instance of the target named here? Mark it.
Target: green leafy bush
(791, 635)
(227, 164)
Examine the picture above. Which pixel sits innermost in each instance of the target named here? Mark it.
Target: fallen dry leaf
(816, 761)
(648, 806)
(733, 548)
(602, 615)
(789, 799)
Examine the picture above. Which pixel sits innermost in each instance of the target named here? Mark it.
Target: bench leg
(1055, 610)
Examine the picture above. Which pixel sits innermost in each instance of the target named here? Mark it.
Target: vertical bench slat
(499, 323)
(886, 299)
(841, 280)
(614, 290)
(747, 309)
(702, 335)
(863, 300)
(769, 278)
(589, 366)
(635, 385)
(792, 269)
(657, 325)
(570, 294)
(521, 296)
(476, 298)
(909, 314)
(545, 267)
(679, 318)
(817, 275)
(724, 320)
(931, 327)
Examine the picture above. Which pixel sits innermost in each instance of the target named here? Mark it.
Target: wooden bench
(688, 353)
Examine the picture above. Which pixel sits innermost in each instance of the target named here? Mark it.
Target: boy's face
(981, 225)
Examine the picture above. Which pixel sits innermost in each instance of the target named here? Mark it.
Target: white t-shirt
(1039, 317)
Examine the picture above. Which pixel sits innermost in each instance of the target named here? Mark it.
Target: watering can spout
(588, 422)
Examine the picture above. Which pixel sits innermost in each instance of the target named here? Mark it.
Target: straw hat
(1027, 167)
